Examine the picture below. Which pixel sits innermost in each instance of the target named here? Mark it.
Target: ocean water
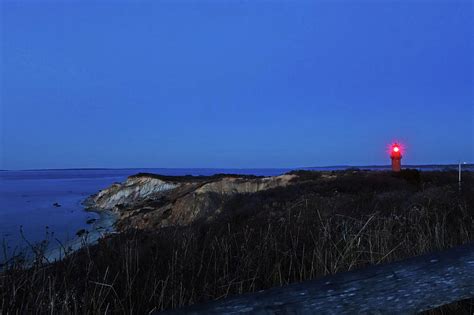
(28, 214)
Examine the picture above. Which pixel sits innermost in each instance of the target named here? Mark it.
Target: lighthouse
(396, 156)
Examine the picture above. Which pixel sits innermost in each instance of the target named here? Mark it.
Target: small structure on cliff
(396, 156)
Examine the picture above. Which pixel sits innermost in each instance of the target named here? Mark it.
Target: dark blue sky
(235, 83)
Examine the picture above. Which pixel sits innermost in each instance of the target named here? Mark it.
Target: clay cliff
(148, 201)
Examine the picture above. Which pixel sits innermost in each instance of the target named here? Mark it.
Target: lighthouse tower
(396, 156)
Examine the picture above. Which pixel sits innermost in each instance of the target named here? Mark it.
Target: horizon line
(225, 168)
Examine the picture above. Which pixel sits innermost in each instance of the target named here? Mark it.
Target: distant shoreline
(387, 166)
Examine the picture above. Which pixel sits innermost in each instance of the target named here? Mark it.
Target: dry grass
(261, 241)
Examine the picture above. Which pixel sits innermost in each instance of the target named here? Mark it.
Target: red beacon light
(396, 156)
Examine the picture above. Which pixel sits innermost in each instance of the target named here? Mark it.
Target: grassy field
(312, 228)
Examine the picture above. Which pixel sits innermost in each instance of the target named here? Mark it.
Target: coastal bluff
(149, 201)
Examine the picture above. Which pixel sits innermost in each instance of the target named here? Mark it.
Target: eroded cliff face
(134, 189)
(243, 185)
(148, 202)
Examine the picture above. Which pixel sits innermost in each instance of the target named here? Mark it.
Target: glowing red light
(395, 149)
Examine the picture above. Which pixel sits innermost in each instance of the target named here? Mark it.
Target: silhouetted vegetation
(323, 224)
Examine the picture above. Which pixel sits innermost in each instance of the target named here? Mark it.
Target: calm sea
(29, 211)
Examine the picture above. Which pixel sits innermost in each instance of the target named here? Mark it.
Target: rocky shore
(100, 227)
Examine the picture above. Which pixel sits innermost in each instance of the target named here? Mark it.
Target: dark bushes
(412, 176)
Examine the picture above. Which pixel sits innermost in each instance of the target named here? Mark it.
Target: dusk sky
(238, 84)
